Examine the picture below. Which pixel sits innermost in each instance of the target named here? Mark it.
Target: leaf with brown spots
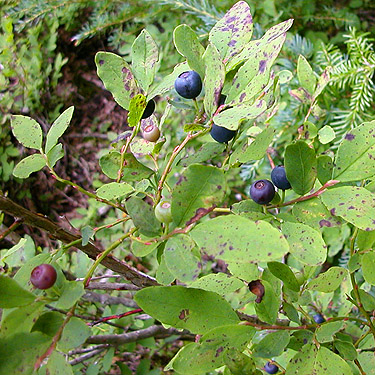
(145, 56)
(210, 352)
(199, 187)
(206, 310)
(355, 159)
(313, 361)
(328, 281)
(234, 238)
(213, 80)
(117, 77)
(233, 31)
(306, 244)
(354, 204)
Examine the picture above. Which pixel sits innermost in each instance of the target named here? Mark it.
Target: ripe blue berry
(221, 134)
(43, 276)
(270, 368)
(149, 110)
(188, 84)
(262, 191)
(318, 318)
(278, 177)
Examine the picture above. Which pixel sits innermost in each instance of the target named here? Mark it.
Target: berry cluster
(263, 191)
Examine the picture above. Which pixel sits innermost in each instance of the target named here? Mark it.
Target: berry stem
(104, 254)
(321, 190)
(83, 191)
(168, 167)
(13, 227)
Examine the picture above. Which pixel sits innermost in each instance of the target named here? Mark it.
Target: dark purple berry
(278, 177)
(221, 134)
(43, 276)
(270, 368)
(188, 84)
(149, 110)
(262, 191)
(318, 318)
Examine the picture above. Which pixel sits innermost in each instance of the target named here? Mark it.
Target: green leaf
(305, 75)
(328, 281)
(114, 190)
(259, 55)
(314, 213)
(206, 152)
(243, 270)
(237, 239)
(301, 94)
(322, 82)
(272, 345)
(254, 150)
(285, 274)
(71, 292)
(117, 77)
(55, 154)
(145, 56)
(167, 83)
(56, 365)
(19, 352)
(28, 165)
(311, 360)
(354, 204)
(355, 159)
(368, 265)
(163, 275)
(188, 45)
(49, 323)
(267, 310)
(137, 106)
(326, 134)
(143, 216)
(306, 244)
(140, 249)
(20, 319)
(213, 80)
(12, 294)
(132, 171)
(300, 167)
(58, 128)
(27, 131)
(74, 334)
(210, 352)
(231, 118)
(367, 361)
(346, 350)
(219, 283)
(365, 240)
(325, 332)
(239, 363)
(180, 260)
(233, 31)
(193, 127)
(249, 209)
(196, 310)
(325, 168)
(199, 187)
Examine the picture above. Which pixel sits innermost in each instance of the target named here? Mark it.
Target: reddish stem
(106, 318)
